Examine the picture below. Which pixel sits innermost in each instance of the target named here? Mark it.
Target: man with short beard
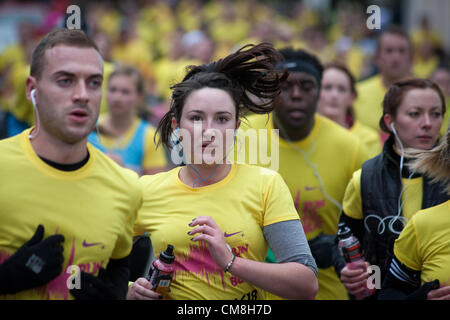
(64, 205)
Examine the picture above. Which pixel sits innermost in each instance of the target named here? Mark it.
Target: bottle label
(160, 280)
(164, 283)
(352, 253)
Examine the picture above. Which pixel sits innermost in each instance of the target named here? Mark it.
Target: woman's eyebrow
(196, 111)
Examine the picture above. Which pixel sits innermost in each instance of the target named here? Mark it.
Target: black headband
(301, 66)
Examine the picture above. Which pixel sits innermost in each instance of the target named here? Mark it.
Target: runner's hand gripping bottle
(350, 249)
(161, 271)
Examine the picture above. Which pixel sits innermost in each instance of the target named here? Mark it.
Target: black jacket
(381, 185)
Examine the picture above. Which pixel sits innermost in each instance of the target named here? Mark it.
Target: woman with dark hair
(221, 217)
(385, 193)
(337, 94)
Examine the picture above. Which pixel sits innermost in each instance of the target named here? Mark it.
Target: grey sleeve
(288, 243)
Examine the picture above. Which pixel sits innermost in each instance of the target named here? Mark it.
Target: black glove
(338, 260)
(407, 289)
(93, 288)
(322, 250)
(110, 284)
(36, 263)
(422, 292)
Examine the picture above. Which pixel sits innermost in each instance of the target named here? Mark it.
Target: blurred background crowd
(161, 37)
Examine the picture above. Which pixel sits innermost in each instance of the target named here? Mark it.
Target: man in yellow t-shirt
(394, 62)
(316, 156)
(67, 210)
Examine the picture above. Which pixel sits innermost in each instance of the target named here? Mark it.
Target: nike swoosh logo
(85, 244)
(226, 235)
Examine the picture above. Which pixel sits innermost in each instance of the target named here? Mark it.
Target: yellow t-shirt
(245, 201)
(424, 68)
(369, 137)
(336, 152)
(424, 244)
(94, 208)
(369, 103)
(411, 198)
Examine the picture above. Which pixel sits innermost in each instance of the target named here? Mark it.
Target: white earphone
(393, 128)
(33, 101)
(33, 97)
(398, 216)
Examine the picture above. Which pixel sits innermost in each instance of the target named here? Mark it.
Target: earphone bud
(33, 101)
(33, 97)
(179, 145)
(393, 128)
(177, 132)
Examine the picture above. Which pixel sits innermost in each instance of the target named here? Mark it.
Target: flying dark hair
(248, 76)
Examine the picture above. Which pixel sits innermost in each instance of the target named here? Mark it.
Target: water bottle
(161, 271)
(350, 248)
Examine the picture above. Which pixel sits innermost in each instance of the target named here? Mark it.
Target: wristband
(227, 268)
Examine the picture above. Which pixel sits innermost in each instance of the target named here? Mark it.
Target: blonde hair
(435, 162)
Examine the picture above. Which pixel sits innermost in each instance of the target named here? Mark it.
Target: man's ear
(30, 85)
